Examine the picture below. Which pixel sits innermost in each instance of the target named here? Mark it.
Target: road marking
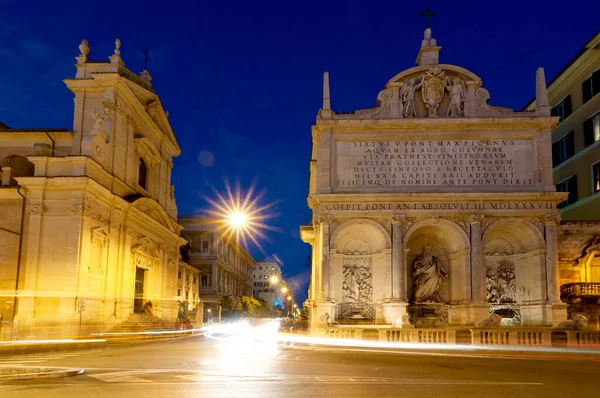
(119, 377)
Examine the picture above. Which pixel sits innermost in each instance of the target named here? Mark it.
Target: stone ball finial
(84, 48)
(427, 33)
(117, 47)
(433, 42)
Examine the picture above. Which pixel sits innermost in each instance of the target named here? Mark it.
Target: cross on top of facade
(427, 14)
(147, 58)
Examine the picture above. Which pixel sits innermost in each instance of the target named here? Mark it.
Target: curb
(45, 373)
(31, 348)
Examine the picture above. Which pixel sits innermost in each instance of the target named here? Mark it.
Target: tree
(248, 305)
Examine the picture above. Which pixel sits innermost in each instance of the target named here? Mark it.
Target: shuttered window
(591, 130)
(563, 149)
(563, 109)
(569, 185)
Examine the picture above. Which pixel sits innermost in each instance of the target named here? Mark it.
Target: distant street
(199, 367)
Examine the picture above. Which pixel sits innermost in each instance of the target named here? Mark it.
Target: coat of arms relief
(433, 85)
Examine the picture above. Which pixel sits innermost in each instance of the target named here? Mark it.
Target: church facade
(89, 213)
(433, 209)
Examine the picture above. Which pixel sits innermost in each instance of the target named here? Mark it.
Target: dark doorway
(138, 301)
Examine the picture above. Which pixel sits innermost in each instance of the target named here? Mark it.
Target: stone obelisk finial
(326, 97)
(541, 92)
(325, 111)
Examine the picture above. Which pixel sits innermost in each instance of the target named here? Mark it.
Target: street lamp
(237, 219)
(289, 299)
(274, 279)
(284, 290)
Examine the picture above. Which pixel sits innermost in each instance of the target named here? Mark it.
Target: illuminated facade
(88, 215)
(264, 288)
(433, 208)
(225, 268)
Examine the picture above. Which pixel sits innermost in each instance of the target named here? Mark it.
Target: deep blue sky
(242, 80)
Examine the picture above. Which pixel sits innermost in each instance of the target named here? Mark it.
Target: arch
(153, 210)
(447, 228)
(454, 68)
(369, 231)
(522, 235)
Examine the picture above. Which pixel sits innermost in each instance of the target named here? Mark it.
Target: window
(596, 176)
(142, 174)
(179, 274)
(591, 86)
(204, 281)
(179, 292)
(563, 149)
(591, 130)
(205, 246)
(562, 110)
(569, 185)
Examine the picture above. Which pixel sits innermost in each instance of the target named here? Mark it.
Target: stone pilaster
(398, 276)
(477, 262)
(552, 276)
(323, 273)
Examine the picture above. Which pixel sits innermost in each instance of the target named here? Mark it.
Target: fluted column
(477, 262)
(398, 276)
(552, 271)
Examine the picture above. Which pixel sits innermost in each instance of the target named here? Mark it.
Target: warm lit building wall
(225, 268)
(10, 229)
(100, 234)
(574, 95)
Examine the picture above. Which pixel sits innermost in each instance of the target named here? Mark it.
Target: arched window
(142, 173)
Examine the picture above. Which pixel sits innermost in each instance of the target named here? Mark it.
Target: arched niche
(360, 259)
(450, 245)
(514, 258)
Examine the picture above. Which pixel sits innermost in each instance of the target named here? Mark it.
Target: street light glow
(274, 279)
(240, 215)
(237, 219)
(284, 289)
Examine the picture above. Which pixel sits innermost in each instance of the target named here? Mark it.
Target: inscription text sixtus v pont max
(435, 163)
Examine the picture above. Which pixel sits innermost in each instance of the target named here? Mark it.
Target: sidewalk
(342, 346)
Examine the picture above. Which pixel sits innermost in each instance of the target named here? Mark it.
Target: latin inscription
(434, 163)
(440, 206)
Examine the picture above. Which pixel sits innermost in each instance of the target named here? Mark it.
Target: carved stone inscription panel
(455, 164)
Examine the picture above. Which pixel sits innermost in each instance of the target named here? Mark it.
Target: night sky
(242, 80)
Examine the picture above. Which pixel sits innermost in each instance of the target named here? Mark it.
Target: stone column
(404, 271)
(398, 265)
(477, 262)
(552, 271)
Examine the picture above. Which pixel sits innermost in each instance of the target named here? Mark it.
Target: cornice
(525, 121)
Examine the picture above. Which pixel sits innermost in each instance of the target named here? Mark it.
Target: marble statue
(456, 91)
(429, 274)
(351, 286)
(407, 95)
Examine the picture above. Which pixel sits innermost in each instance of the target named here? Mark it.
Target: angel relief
(456, 90)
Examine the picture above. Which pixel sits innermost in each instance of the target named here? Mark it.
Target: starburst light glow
(240, 215)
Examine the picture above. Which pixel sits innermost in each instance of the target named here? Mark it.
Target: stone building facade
(89, 213)
(433, 208)
(225, 268)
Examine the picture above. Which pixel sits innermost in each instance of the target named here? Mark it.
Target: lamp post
(289, 299)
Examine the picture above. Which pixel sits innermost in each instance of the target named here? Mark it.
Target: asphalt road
(200, 367)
